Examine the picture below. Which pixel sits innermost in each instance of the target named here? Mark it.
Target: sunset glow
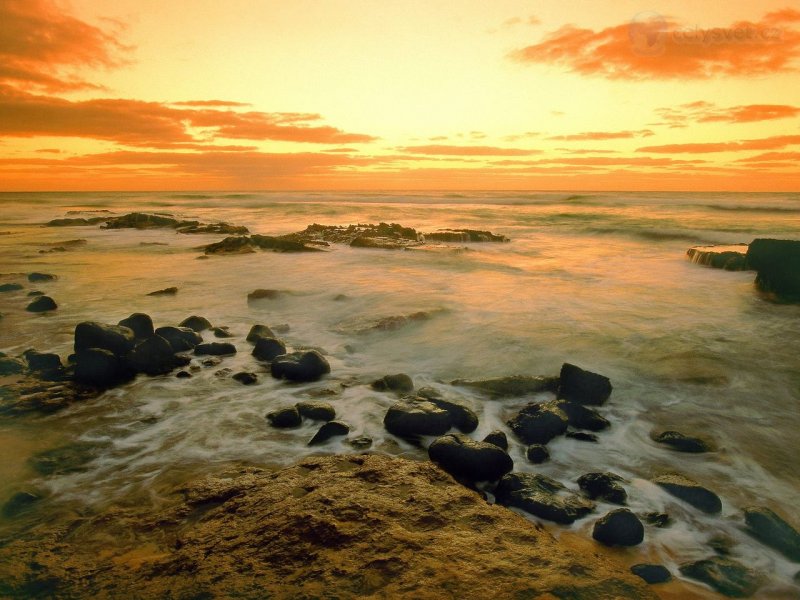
(357, 94)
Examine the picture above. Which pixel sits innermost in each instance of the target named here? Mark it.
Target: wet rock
(75, 222)
(259, 331)
(245, 244)
(511, 386)
(681, 442)
(268, 348)
(537, 453)
(461, 417)
(316, 411)
(463, 235)
(101, 368)
(37, 277)
(70, 458)
(183, 375)
(542, 497)
(605, 486)
(300, 366)
(400, 383)
(657, 519)
(582, 417)
(212, 361)
(34, 293)
(180, 338)
(691, 492)
(582, 436)
(170, 291)
(196, 323)
(43, 362)
(729, 258)
(725, 575)
(42, 304)
(362, 442)
(10, 287)
(414, 417)
(538, 423)
(215, 348)
(222, 332)
(140, 221)
(619, 527)
(468, 459)
(383, 235)
(19, 503)
(777, 264)
(583, 387)
(329, 430)
(245, 378)
(117, 339)
(262, 294)
(155, 356)
(498, 438)
(219, 228)
(390, 323)
(11, 366)
(284, 417)
(141, 325)
(770, 529)
(652, 573)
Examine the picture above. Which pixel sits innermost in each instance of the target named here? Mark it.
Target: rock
(245, 378)
(512, 386)
(284, 417)
(400, 383)
(619, 527)
(657, 519)
(537, 453)
(215, 348)
(141, 325)
(34, 293)
(730, 258)
(390, 323)
(42, 304)
(212, 361)
(583, 387)
(155, 356)
(690, 491)
(413, 417)
(19, 503)
(465, 458)
(652, 573)
(582, 417)
(538, 423)
(262, 294)
(770, 529)
(362, 442)
(582, 436)
(101, 368)
(777, 264)
(463, 235)
(11, 366)
(329, 430)
(498, 438)
(725, 575)
(37, 277)
(282, 328)
(170, 291)
(219, 228)
(316, 411)
(222, 332)
(116, 339)
(542, 497)
(605, 486)
(682, 443)
(10, 287)
(300, 366)
(244, 244)
(70, 458)
(140, 221)
(75, 222)
(268, 348)
(259, 331)
(196, 323)
(180, 338)
(183, 375)
(43, 361)
(461, 417)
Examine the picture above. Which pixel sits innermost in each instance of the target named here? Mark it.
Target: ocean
(600, 280)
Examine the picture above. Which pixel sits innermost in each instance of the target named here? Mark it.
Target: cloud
(707, 112)
(521, 136)
(41, 48)
(441, 149)
(211, 103)
(773, 156)
(602, 135)
(771, 143)
(655, 47)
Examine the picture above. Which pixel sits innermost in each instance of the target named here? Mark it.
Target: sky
(685, 95)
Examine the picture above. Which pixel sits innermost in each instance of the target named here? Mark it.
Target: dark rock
(537, 453)
(463, 235)
(770, 529)
(690, 491)
(212, 361)
(222, 332)
(652, 573)
(141, 325)
(605, 486)
(512, 386)
(180, 338)
(300, 366)
(259, 331)
(196, 323)
(657, 519)
(10, 287)
(538, 423)
(725, 575)
(284, 417)
(19, 503)
(219, 228)
(101, 368)
(74, 222)
(722, 544)
(777, 264)
(170, 291)
(70, 458)
(582, 436)
(542, 497)
(262, 294)
(140, 221)
(155, 356)
(268, 348)
(329, 430)
(215, 348)
(36, 277)
(361, 442)
(720, 257)
(42, 304)
(183, 375)
(475, 461)
(582, 417)
(498, 438)
(682, 443)
(34, 293)
(316, 411)
(43, 361)
(583, 387)
(619, 527)
(244, 244)
(796, 577)
(461, 417)
(11, 366)
(246, 378)
(116, 339)
(400, 383)
(413, 417)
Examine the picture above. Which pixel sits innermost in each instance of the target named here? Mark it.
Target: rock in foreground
(330, 527)
(729, 258)
(727, 576)
(777, 264)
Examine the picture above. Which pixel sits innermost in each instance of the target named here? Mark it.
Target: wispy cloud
(769, 143)
(441, 149)
(602, 135)
(707, 112)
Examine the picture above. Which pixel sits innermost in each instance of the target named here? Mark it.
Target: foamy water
(600, 280)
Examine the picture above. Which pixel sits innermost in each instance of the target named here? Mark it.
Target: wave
(651, 234)
(755, 209)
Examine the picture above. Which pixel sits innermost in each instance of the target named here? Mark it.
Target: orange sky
(413, 94)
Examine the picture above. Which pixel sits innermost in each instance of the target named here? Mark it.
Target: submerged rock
(538, 423)
(770, 529)
(245, 377)
(19, 503)
(170, 291)
(262, 294)
(777, 264)
(117, 339)
(583, 387)
(511, 386)
(463, 235)
(582, 436)
(465, 458)
(10, 287)
(725, 575)
(141, 325)
(38, 277)
(75, 222)
(300, 366)
(681, 442)
(215, 348)
(43, 362)
(543, 497)
(329, 430)
(605, 486)
(400, 383)
(70, 458)
(620, 527)
(729, 258)
(690, 491)
(657, 519)
(651, 573)
(42, 304)
(180, 338)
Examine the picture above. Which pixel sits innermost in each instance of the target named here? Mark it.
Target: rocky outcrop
(510, 386)
(468, 459)
(383, 235)
(619, 527)
(180, 338)
(543, 497)
(729, 258)
(10, 287)
(690, 491)
(42, 304)
(75, 222)
(770, 529)
(417, 416)
(141, 325)
(463, 235)
(241, 244)
(681, 442)
(101, 368)
(777, 266)
(267, 348)
(605, 486)
(155, 356)
(152, 221)
(300, 366)
(538, 423)
(117, 339)
(583, 387)
(725, 575)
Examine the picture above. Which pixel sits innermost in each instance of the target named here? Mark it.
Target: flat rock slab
(729, 258)
(542, 497)
(767, 527)
(725, 575)
(690, 491)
